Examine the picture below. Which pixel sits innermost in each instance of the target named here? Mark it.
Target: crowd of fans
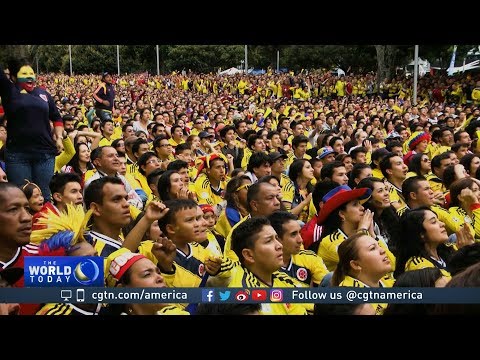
(275, 180)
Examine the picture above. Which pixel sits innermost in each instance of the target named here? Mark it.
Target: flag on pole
(452, 61)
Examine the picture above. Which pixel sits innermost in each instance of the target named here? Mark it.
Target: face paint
(26, 78)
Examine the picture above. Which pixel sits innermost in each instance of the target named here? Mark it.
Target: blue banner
(63, 271)
(338, 295)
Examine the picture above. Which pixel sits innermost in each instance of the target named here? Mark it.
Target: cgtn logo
(51, 271)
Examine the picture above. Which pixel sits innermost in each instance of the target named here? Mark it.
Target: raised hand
(464, 236)
(213, 265)
(165, 251)
(155, 210)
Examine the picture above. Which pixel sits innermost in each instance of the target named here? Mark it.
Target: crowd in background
(274, 180)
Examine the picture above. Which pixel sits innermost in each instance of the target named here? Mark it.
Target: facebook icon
(208, 295)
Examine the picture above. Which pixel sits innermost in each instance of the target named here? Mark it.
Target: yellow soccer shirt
(352, 282)
(435, 183)
(329, 246)
(418, 262)
(206, 194)
(243, 278)
(105, 142)
(174, 143)
(103, 244)
(227, 250)
(291, 158)
(141, 182)
(288, 195)
(224, 224)
(460, 217)
(65, 156)
(377, 173)
(189, 269)
(396, 197)
(306, 268)
(132, 166)
(65, 309)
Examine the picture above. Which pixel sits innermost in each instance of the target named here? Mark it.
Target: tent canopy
(231, 71)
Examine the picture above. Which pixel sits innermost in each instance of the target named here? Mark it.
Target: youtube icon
(259, 295)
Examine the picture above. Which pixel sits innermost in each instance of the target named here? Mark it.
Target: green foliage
(203, 58)
(209, 58)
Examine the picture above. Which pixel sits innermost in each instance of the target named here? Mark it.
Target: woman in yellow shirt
(424, 242)
(362, 263)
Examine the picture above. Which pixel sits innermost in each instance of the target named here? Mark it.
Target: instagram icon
(276, 295)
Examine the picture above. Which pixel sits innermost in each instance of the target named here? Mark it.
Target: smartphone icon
(80, 295)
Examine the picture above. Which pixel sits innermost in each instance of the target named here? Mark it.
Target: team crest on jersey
(302, 274)
(201, 269)
(204, 195)
(43, 97)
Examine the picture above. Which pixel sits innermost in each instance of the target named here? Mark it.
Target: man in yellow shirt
(255, 243)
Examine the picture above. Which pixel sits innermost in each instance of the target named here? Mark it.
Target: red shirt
(43, 210)
(18, 261)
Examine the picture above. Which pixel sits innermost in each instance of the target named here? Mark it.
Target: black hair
(96, 153)
(5, 186)
(177, 165)
(415, 278)
(327, 169)
(14, 65)
(466, 161)
(358, 150)
(236, 171)
(356, 170)
(297, 140)
(252, 139)
(253, 191)
(388, 221)
(256, 160)
(164, 185)
(152, 178)
(231, 188)
(386, 164)
(463, 258)
(278, 218)
(245, 235)
(94, 191)
(182, 147)
(320, 190)
(456, 188)
(142, 160)
(391, 144)
(174, 207)
(60, 180)
(410, 242)
(411, 185)
(226, 129)
(449, 176)
(115, 144)
(74, 161)
(347, 251)
(296, 170)
(137, 143)
(378, 155)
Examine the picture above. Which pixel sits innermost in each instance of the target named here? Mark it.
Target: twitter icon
(224, 296)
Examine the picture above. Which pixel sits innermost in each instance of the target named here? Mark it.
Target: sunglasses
(426, 160)
(244, 186)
